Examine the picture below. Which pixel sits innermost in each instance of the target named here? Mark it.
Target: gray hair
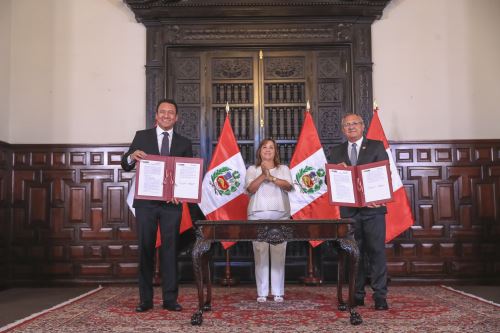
(352, 114)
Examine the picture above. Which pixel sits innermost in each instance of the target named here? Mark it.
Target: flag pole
(228, 280)
(311, 279)
(157, 274)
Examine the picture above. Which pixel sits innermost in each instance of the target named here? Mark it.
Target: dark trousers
(169, 218)
(370, 237)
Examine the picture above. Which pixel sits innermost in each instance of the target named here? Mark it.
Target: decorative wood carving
(150, 11)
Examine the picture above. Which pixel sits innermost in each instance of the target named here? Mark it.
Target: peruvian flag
(186, 221)
(309, 200)
(399, 216)
(223, 196)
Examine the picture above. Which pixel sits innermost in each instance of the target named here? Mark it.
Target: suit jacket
(147, 141)
(370, 151)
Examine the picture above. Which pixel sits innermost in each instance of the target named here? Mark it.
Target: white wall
(4, 68)
(437, 69)
(73, 70)
(77, 72)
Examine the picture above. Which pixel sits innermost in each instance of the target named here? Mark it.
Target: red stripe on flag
(318, 209)
(186, 223)
(375, 131)
(186, 220)
(235, 209)
(158, 237)
(224, 151)
(399, 216)
(307, 143)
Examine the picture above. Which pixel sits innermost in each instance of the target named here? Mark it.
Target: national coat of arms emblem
(225, 181)
(309, 179)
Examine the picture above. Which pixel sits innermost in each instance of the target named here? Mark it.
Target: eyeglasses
(354, 123)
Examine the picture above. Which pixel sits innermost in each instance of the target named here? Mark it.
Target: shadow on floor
(18, 303)
(489, 293)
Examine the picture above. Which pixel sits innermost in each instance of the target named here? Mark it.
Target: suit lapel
(153, 141)
(173, 145)
(363, 151)
(345, 156)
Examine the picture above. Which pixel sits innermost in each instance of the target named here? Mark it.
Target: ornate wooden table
(340, 232)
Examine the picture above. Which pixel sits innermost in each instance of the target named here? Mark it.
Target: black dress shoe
(381, 304)
(143, 307)
(359, 301)
(174, 306)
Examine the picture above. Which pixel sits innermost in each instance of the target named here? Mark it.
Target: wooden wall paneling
(67, 219)
(69, 214)
(493, 172)
(449, 229)
(5, 212)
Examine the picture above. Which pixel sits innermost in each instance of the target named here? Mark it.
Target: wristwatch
(273, 179)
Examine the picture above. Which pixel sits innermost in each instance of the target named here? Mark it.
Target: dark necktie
(354, 154)
(165, 151)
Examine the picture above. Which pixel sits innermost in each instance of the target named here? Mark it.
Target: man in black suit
(369, 230)
(155, 141)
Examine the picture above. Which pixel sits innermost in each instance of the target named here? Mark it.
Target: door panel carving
(266, 91)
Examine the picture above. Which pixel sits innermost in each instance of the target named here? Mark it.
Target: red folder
(358, 187)
(168, 182)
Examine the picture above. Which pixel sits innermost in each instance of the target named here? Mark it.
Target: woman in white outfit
(267, 182)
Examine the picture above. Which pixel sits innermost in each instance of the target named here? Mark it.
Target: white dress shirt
(159, 138)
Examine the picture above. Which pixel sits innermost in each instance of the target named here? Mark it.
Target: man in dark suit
(370, 220)
(155, 141)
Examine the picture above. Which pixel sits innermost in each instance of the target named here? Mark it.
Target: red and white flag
(223, 196)
(399, 216)
(309, 200)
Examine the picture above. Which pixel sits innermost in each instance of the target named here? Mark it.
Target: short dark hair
(169, 101)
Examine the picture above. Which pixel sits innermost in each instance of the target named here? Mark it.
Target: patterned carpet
(306, 309)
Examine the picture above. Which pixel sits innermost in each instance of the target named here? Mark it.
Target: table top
(273, 231)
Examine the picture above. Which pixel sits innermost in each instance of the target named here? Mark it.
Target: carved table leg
(207, 306)
(340, 280)
(350, 247)
(200, 250)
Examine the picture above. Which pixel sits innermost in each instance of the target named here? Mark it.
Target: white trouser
(261, 254)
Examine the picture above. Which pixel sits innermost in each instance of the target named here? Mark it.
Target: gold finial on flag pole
(227, 107)
(308, 106)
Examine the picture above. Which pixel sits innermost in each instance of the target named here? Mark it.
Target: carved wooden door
(267, 91)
